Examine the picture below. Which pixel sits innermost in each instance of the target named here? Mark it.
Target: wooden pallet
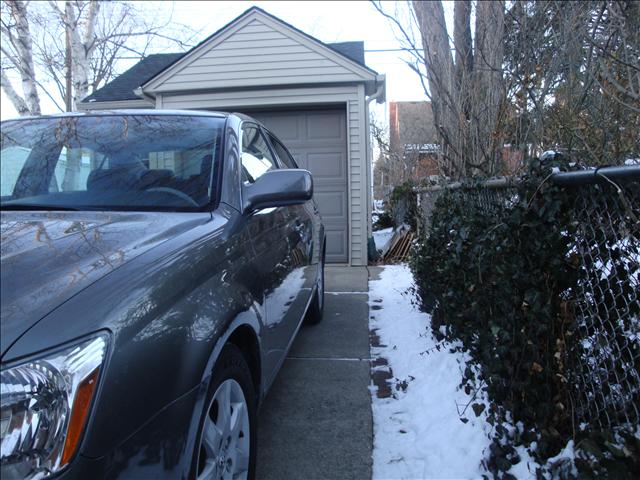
(399, 247)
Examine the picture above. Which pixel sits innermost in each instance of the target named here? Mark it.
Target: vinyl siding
(255, 54)
(364, 189)
(355, 182)
(269, 97)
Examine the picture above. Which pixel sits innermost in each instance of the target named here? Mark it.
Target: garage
(317, 140)
(314, 96)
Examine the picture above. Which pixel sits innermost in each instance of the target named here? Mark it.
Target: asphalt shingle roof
(352, 50)
(122, 87)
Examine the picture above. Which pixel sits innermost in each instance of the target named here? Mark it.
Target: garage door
(317, 140)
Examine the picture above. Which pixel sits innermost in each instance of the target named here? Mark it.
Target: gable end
(259, 50)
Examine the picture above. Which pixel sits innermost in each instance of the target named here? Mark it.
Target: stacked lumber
(398, 248)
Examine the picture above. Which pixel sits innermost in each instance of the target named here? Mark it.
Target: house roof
(352, 50)
(123, 86)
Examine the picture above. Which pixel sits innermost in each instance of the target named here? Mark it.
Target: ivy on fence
(503, 277)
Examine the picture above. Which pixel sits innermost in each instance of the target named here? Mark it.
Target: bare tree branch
(98, 32)
(19, 104)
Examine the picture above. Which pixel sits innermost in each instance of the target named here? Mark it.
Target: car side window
(13, 160)
(283, 154)
(256, 155)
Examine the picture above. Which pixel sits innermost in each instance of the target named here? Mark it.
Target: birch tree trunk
(34, 33)
(22, 59)
(81, 48)
(19, 104)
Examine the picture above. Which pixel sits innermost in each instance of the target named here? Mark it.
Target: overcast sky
(327, 21)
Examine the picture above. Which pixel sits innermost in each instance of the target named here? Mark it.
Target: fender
(251, 318)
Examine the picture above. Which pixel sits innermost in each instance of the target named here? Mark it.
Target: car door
(305, 218)
(274, 239)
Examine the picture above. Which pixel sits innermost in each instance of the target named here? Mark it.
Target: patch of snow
(382, 237)
(564, 462)
(421, 432)
(525, 469)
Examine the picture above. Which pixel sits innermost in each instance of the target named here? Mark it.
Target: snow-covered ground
(428, 429)
(420, 433)
(381, 237)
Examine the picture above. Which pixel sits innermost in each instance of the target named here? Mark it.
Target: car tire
(223, 446)
(316, 308)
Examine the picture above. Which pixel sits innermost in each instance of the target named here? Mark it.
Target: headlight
(44, 404)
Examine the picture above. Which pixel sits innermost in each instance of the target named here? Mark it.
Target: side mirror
(278, 188)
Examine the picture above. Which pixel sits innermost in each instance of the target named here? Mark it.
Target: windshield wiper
(37, 207)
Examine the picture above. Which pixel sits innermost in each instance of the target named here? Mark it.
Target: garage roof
(123, 86)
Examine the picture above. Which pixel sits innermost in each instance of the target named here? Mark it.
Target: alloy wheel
(225, 443)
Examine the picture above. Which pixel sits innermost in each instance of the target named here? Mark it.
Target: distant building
(413, 147)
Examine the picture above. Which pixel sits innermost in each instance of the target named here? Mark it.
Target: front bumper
(161, 449)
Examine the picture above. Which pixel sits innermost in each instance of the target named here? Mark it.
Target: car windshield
(110, 162)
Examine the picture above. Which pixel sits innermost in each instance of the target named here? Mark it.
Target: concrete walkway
(316, 421)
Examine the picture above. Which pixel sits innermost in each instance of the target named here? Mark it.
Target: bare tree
(572, 71)
(534, 75)
(462, 78)
(76, 46)
(389, 169)
(17, 50)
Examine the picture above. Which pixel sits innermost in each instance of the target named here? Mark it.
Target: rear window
(110, 162)
(283, 154)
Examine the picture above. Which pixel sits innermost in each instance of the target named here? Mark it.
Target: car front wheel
(228, 440)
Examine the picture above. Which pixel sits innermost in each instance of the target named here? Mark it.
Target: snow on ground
(419, 433)
(428, 429)
(382, 237)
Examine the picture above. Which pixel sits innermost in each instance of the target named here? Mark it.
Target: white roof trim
(279, 26)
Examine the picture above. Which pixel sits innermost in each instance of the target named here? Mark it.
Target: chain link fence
(603, 358)
(606, 357)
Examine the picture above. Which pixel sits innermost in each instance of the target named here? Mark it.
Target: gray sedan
(156, 267)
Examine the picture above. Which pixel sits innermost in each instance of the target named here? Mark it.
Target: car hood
(47, 257)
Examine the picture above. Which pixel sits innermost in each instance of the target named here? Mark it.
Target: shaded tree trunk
(488, 88)
(445, 98)
(462, 40)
